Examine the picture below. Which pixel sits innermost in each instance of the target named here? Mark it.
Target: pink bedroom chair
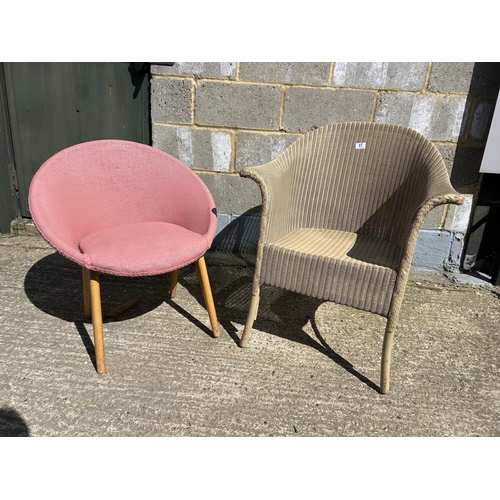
(123, 208)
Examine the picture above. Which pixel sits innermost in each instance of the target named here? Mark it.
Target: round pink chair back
(123, 208)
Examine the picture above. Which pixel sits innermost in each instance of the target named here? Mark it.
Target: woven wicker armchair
(341, 212)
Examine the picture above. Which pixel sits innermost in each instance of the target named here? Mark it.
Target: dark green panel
(56, 105)
(7, 202)
(7, 211)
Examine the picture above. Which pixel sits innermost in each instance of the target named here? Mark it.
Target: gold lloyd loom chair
(341, 212)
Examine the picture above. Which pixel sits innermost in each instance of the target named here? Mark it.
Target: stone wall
(220, 117)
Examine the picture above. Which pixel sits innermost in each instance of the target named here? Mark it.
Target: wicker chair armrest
(274, 183)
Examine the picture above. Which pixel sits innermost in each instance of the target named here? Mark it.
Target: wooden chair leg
(86, 292)
(252, 315)
(174, 278)
(95, 297)
(201, 269)
(385, 370)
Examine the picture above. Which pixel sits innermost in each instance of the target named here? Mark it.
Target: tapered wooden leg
(201, 269)
(385, 371)
(95, 298)
(252, 315)
(86, 292)
(174, 278)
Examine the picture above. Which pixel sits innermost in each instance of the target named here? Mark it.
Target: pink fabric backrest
(101, 184)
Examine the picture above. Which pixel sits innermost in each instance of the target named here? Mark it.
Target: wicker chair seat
(343, 267)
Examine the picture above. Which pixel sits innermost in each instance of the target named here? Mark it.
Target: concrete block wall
(220, 117)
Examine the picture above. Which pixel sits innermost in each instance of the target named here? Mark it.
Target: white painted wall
(491, 158)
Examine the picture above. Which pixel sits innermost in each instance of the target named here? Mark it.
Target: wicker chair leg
(385, 371)
(174, 278)
(95, 297)
(252, 315)
(86, 292)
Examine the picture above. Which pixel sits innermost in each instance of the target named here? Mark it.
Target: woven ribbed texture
(340, 221)
(340, 245)
(348, 269)
(104, 195)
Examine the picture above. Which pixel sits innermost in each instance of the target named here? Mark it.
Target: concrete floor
(311, 368)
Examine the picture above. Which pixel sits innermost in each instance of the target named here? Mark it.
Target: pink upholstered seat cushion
(142, 249)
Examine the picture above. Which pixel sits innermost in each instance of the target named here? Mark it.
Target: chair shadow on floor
(281, 313)
(54, 285)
